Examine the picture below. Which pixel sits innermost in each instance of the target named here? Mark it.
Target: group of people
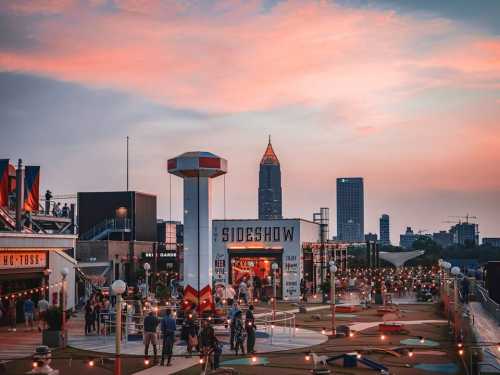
(96, 311)
(203, 340)
(31, 311)
(242, 330)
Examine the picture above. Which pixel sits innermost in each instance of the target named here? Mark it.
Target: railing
(133, 323)
(110, 225)
(488, 304)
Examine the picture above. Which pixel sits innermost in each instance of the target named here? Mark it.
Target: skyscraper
(270, 185)
(350, 209)
(385, 236)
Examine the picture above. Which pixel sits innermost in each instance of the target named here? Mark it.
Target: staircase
(105, 228)
(9, 222)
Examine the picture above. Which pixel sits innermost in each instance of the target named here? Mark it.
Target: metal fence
(488, 304)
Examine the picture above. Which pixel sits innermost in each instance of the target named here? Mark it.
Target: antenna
(127, 162)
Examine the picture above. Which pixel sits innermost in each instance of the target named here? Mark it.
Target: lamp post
(118, 287)
(46, 274)
(64, 274)
(333, 269)
(455, 272)
(250, 289)
(274, 267)
(147, 267)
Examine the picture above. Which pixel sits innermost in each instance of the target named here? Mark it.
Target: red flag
(31, 188)
(4, 182)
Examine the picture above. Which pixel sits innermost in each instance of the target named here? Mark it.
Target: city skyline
(406, 97)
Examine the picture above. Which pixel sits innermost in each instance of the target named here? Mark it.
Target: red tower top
(269, 156)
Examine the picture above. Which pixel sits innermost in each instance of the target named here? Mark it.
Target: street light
(147, 267)
(274, 266)
(46, 274)
(455, 271)
(64, 274)
(118, 287)
(333, 269)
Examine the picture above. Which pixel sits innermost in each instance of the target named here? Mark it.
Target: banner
(4, 182)
(31, 188)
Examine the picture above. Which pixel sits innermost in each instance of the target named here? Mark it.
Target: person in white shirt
(43, 306)
(243, 290)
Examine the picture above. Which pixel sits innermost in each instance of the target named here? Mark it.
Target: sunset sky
(403, 93)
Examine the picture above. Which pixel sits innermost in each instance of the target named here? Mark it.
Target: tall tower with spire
(270, 185)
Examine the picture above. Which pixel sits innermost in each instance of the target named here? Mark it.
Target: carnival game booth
(32, 264)
(248, 249)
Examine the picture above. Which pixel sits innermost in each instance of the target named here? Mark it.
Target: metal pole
(127, 162)
(63, 308)
(455, 302)
(332, 280)
(274, 295)
(118, 333)
(19, 195)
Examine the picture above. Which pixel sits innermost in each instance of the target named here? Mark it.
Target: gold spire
(269, 156)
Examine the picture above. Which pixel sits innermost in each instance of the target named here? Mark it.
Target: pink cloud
(239, 59)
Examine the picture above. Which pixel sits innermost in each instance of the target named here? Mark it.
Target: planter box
(54, 339)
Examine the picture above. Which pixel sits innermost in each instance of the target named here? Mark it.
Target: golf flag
(31, 188)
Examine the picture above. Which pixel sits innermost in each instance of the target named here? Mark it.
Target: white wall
(57, 261)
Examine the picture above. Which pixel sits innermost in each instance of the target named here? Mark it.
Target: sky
(405, 94)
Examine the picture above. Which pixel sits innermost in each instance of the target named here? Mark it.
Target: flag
(31, 188)
(4, 182)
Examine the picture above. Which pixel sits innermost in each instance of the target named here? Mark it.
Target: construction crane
(466, 217)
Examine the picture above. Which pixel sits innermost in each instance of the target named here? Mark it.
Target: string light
(146, 362)
(307, 357)
(91, 363)
(254, 359)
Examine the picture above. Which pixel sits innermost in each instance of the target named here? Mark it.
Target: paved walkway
(281, 340)
(486, 329)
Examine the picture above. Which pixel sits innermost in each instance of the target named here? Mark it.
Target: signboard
(25, 259)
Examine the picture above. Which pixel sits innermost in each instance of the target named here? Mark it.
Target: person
(190, 333)
(168, 328)
(65, 210)
(48, 197)
(239, 333)
(303, 289)
(231, 316)
(229, 294)
(258, 287)
(88, 317)
(209, 345)
(150, 325)
(243, 291)
(43, 306)
(12, 312)
(250, 329)
(28, 309)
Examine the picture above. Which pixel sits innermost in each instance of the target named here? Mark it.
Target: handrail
(108, 224)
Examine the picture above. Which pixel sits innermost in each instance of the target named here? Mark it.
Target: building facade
(491, 241)
(350, 209)
(117, 215)
(465, 234)
(385, 230)
(270, 197)
(244, 248)
(371, 237)
(443, 238)
(406, 240)
(31, 265)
